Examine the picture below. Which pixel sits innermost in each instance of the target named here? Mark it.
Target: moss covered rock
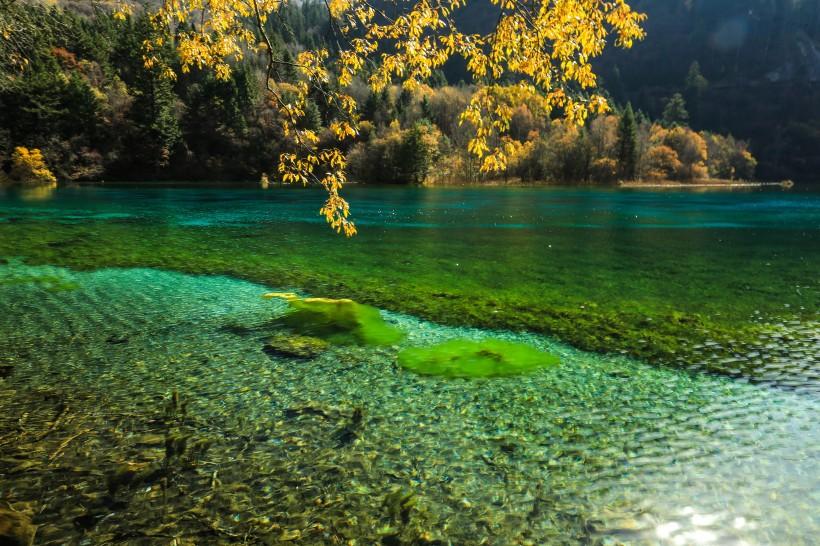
(293, 345)
(470, 358)
(341, 322)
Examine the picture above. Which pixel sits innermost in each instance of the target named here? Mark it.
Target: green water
(655, 275)
(605, 448)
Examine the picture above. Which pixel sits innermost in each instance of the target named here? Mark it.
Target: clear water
(605, 448)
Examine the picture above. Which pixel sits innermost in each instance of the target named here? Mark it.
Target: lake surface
(684, 410)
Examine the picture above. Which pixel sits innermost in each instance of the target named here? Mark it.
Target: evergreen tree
(287, 68)
(438, 79)
(695, 81)
(377, 108)
(417, 154)
(696, 85)
(628, 144)
(313, 117)
(426, 110)
(403, 103)
(154, 112)
(674, 113)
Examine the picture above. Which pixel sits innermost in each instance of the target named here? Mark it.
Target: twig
(65, 443)
(54, 425)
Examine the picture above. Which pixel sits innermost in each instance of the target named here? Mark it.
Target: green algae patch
(469, 358)
(341, 322)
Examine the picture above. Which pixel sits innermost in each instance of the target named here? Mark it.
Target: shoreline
(249, 185)
(786, 184)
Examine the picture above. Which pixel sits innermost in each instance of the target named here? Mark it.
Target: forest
(746, 67)
(85, 107)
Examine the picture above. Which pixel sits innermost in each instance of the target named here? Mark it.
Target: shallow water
(604, 448)
(601, 447)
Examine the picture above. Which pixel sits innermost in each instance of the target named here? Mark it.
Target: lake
(138, 403)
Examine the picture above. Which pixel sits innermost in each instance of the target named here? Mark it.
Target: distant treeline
(746, 67)
(82, 95)
(749, 67)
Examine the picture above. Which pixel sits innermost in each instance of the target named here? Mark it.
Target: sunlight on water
(602, 448)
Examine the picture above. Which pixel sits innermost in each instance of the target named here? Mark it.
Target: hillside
(761, 64)
(747, 69)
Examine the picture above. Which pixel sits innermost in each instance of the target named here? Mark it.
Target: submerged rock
(470, 358)
(341, 322)
(16, 529)
(293, 345)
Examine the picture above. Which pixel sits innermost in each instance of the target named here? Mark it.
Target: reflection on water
(601, 449)
(31, 195)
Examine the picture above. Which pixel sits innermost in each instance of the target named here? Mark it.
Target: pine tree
(154, 113)
(377, 108)
(426, 110)
(287, 68)
(313, 117)
(674, 113)
(403, 103)
(696, 85)
(695, 80)
(154, 110)
(438, 79)
(628, 144)
(417, 153)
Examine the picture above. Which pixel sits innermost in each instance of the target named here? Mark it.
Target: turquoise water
(605, 448)
(708, 281)
(454, 208)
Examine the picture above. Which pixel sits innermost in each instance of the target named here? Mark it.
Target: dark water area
(137, 404)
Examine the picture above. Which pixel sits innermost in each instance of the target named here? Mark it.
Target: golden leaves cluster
(311, 162)
(544, 47)
(28, 168)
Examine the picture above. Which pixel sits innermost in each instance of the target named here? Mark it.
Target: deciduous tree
(545, 47)
(28, 169)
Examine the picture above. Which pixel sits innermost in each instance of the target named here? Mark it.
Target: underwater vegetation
(469, 358)
(16, 528)
(189, 432)
(314, 323)
(341, 322)
(284, 344)
(642, 300)
(48, 278)
(52, 283)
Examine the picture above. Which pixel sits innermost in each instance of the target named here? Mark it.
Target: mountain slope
(761, 59)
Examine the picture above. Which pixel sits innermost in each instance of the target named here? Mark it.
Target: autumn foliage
(27, 169)
(605, 149)
(129, 99)
(544, 48)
